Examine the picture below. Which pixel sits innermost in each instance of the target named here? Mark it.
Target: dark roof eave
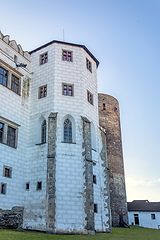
(66, 43)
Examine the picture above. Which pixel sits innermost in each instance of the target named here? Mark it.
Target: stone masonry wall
(105, 189)
(51, 173)
(11, 219)
(109, 119)
(88, 174)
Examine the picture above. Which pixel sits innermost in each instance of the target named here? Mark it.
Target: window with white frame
(8, 132)
(66, 55)
(67, 131)
(67, 89)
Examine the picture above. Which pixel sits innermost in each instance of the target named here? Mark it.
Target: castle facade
(53, 162)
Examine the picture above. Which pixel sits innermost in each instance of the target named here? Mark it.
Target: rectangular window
(3, 76)
(8, 132)
(27, 186)
(11, 137)
(153, 216)
(3, 188)
(15, 84)
(67, 56)
(67, 89)
(39, 185)
(88, 65)
(95, 208)
(104, 106)
(7, 172)
(94, 179)
(90, 97)
(43, 58)
(43, 91)
(1, 132)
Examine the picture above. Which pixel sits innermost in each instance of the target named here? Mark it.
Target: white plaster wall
(15, 109)
(145, 219)
(29, 160)
(35, 207)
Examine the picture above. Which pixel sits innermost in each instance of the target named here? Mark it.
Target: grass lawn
(134, 233)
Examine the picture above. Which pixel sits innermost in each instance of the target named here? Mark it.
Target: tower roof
(67, 43)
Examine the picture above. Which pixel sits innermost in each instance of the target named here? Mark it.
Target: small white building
(144, 213)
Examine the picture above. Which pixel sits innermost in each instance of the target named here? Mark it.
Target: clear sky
(124, 35)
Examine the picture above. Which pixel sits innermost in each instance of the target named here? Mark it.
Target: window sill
(69, 142)
(10, 89)
(8, 145)
(37, 144)
(94, 149)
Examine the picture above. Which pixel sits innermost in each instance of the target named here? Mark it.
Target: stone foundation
(11, 219)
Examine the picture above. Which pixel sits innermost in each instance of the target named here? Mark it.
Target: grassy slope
(134, 233)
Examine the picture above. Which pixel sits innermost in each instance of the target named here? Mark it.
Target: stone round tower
(109, 119)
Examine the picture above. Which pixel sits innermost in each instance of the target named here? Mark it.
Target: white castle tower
(53, 166)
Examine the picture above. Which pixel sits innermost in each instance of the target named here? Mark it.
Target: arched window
(67, 131)
(43, 132)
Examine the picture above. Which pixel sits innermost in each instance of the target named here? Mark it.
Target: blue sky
(124, 36)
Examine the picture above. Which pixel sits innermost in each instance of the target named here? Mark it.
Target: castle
(60, 171)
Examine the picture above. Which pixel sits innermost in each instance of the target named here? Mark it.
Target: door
(136, 219)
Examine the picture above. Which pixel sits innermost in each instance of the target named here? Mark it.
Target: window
(67, 89)
(1, 132)
(67, 131)
(10, 77)
(67, 56)
(3, 76)
(44, 58)
(15, 84)
(95, 208)
(43, 91)
(3, 188)
(153, 216)
(8, 132)
(39, 185)
(7, 172)
(90, 97)
(43, 132)
(27, 186)
(88, 65)
(11, 136)
(94, 179)
(104, 106)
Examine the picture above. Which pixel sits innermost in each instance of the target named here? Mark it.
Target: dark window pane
(3, 76)
(3, 188)
(43, 140)
(11, 135)
(15, 84)
(1, 132)
(67, 131)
